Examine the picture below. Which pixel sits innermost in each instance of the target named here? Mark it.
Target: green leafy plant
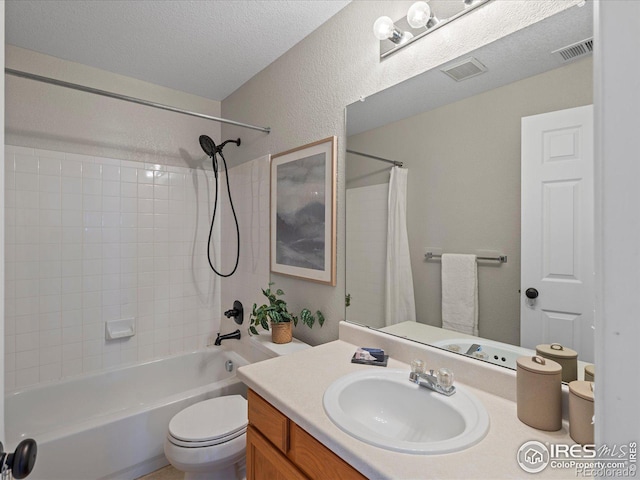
(276, 312)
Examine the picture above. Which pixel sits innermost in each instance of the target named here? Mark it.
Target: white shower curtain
(399, 300)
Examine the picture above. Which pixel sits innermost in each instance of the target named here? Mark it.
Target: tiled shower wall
(93, 239)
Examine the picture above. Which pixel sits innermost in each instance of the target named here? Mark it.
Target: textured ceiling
(208, 48)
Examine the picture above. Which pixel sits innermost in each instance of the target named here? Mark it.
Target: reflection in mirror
(460, 142)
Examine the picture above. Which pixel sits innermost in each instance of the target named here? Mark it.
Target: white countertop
(278, 349)
(295, 385)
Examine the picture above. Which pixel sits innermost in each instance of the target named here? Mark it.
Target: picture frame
(303, 212)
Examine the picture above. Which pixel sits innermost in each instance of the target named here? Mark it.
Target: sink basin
(383, 408)
(490, 351)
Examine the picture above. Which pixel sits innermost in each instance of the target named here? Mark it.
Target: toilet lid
(210, 420)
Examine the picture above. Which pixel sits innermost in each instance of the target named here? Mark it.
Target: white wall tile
(111, 189)
(71, 168)
(92, 239)
(72, 367)
(91, 170)
(111, 204)
(145, 176)
(111, 173)
(72, 336)
(128, 174)
(26, 163)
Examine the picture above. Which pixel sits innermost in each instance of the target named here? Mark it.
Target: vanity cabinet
(279, 449)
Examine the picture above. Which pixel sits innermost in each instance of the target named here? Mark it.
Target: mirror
(460, 141)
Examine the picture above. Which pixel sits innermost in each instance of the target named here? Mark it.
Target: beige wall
(49, 117)
(464, 185)
(303, 94)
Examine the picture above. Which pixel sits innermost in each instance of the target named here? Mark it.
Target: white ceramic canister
(581, 412)
(589, 373)
(567, 358)
(539, 392)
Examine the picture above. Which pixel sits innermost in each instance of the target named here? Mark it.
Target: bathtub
(112, 424)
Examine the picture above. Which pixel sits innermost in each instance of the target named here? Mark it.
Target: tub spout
(220, 338)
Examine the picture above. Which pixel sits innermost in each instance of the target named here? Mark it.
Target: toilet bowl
(208, 439)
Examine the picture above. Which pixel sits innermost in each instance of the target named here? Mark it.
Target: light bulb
(383, 28)
(419, 14)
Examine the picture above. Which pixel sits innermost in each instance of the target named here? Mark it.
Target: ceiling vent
(576, 50)
(467, 68)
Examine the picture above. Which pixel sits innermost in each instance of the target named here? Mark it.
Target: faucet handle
(417, 366)
(445, 378)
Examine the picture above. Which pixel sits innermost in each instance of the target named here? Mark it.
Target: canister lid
(582, 389)
(590, 370)
(555, 350)
(537, 364)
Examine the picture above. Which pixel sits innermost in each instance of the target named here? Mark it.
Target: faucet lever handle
(237, 312)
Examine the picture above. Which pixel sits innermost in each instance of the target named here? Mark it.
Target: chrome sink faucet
(440, 381)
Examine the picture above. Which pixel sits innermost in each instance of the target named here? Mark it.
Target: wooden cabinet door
(265, 462)
(269, 421)
(316, 460)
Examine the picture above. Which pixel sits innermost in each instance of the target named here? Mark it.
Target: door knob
(531, 294)
(20, 462)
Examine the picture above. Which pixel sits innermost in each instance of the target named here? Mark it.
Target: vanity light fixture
(384, 28)
(419, 21)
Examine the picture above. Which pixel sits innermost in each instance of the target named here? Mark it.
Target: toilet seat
(210, 422)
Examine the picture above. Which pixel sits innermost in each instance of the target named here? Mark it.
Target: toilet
(208, 439)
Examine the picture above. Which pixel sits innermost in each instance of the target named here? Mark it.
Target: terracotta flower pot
(281, 332)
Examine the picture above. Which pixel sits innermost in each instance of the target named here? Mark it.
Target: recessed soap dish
(122, 328)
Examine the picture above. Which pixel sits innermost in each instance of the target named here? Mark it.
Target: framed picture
(303, 212)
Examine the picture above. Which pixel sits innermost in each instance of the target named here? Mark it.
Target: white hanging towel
(460, 293)
(399, 300)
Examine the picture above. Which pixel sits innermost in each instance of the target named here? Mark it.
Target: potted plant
(276, 315)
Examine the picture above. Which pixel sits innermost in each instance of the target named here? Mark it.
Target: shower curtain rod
(386, 160)
(117, 96)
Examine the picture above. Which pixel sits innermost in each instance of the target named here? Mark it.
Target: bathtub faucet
(219, 338)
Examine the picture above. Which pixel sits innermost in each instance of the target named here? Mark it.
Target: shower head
(209, 146)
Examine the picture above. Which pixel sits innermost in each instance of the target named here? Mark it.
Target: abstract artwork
(303, 212)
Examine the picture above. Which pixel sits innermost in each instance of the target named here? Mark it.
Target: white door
(2, 439)
(557, 230)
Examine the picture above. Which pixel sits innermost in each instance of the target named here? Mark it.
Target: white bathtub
(113, 424)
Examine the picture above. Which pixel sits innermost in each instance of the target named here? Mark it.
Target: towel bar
(499, 258)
